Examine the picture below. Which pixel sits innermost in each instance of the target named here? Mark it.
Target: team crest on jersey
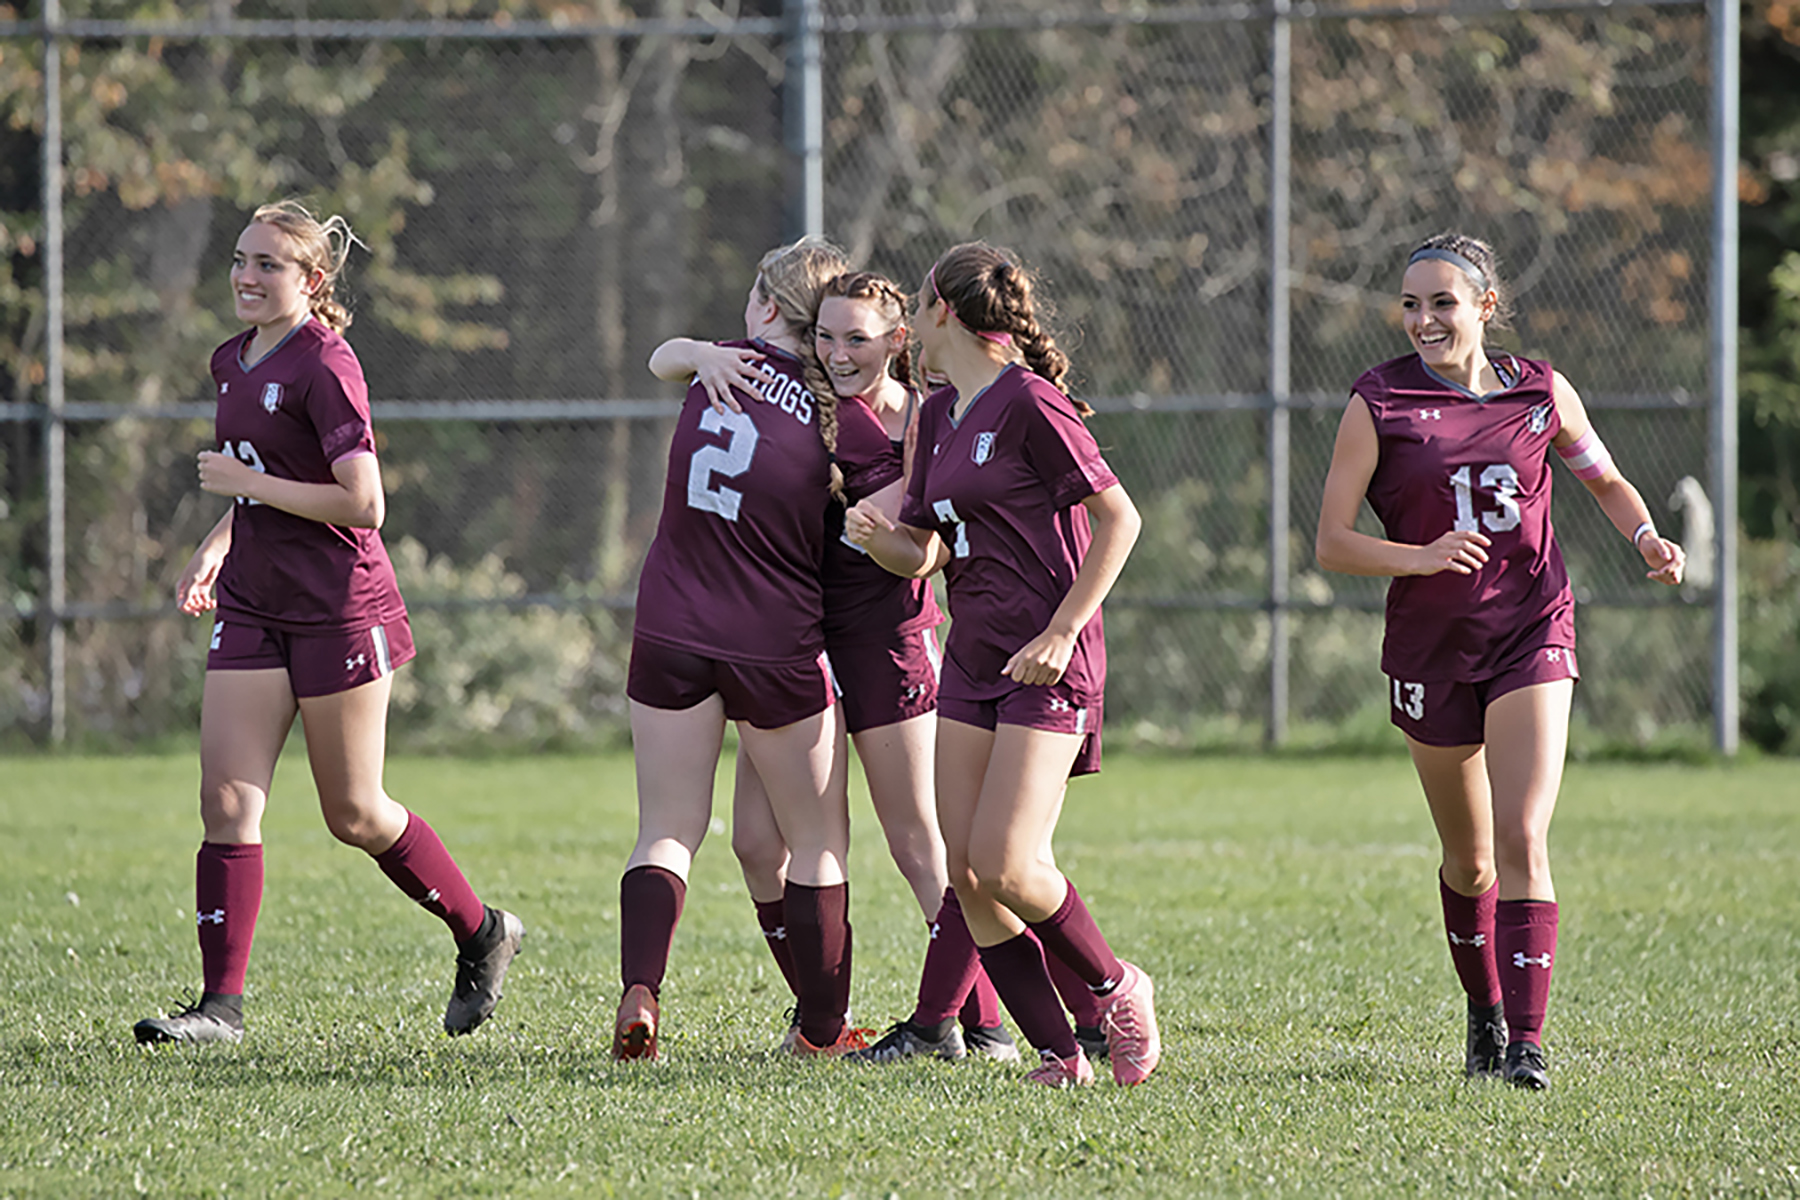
(984, 448)
(1539, 420)
(271, 397)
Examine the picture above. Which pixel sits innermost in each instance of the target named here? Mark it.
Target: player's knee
(227, 805)
(1466, 871)
(354, 826)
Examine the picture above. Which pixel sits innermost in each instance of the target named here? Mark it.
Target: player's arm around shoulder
(716, 368)
(1582, 450)
(1340, 547)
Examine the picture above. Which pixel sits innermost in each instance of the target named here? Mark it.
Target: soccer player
(1449, 446)
(729, 627)
(309, 620)
(1010, 497)
(884, 656)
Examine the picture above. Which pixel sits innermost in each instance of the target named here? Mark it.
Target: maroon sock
(1469, 925)
(951, 966)
(1017, 968)
(1070, 934)
(771, 915)
(1525, 945)
(818, 925)
(228, 886)
(650, 901)
(982, 1009)
(421, 867)
(1083, 1005)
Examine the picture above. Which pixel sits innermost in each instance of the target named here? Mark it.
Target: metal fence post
(803, 118)
(55, 485)
(1723, 19)
(1280, 118)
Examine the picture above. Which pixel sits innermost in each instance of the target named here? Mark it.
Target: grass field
(1287, 909)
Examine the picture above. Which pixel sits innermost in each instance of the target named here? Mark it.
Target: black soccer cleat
(1525, 1066)
(481, 964)
(192, 1024)
(991, 1041)
(1486, 1056)
(906, 1040)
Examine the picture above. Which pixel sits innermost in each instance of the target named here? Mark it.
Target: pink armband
(1587, 456)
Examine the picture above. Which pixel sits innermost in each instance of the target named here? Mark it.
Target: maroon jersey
(863, 601)
(298, 410)
(1452, 460)
(733, 572)
(1003, 488)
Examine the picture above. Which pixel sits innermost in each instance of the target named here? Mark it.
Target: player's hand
(863, 520)
(718, 369)
(1667, 560)
(1042, 661)
(194, 592)
(1459, 550)
(223, 475)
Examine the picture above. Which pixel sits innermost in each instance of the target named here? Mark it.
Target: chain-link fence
(543, 203)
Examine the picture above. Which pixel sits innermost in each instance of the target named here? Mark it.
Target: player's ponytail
(994, 297)
(793, 277)
(320, 247)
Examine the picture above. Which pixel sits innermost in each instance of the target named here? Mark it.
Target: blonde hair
(793, 278)
(319, 246)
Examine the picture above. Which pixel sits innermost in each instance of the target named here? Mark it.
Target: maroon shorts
(1054, 709)
(321, 665)
(1454, 713)
(766, 695)
(884, 683)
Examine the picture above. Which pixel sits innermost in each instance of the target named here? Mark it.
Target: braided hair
(793, 277)
(319, 246)
(994, 297)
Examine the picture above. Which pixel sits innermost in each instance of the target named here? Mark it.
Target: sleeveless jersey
(1451, 461)
(733, 572)
(864, 602)
(302, 408)
(1003, 488)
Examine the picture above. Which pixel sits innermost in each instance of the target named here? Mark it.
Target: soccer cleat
(634, 1029)
(991, 1042)
(1525, 1066)
(906, 1040)
(192, 1024)
(480, 969)
(1487, 1042)
(848, 1041)
(1073, 1071)
(793, 1031)
(1128, 1016)
(1092, 1040)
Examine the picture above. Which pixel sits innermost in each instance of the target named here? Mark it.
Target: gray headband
(1476, 275)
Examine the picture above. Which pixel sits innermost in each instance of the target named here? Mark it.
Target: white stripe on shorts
(837, 692)
(1081, 720)
(933, 654)
(378, 636)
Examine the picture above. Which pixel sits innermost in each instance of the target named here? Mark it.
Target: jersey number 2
(1500, 480)
(727, 461)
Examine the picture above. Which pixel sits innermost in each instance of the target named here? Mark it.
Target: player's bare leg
(763, 858)
(898, 762)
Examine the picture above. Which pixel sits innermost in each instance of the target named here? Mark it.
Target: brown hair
(793, 277)
(988, 291)
(1485, 276)
(320, 246)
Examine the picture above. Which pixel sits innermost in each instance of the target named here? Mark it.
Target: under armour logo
(1058, 704)
(215, 917)
(777, 934)
(350, 664)
(914, 692)
(934, 931)
(1478, 940)
(1553, 655)
(223, 388)
(430, 897)
(1522, 960)
(1431, 414)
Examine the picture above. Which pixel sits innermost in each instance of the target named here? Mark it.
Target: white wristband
(1638, 533)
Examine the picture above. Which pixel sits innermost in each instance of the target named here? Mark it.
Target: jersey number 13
(1500, 482)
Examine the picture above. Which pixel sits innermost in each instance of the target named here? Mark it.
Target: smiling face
(1443, 316)
(269, 288)
(854, 341)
